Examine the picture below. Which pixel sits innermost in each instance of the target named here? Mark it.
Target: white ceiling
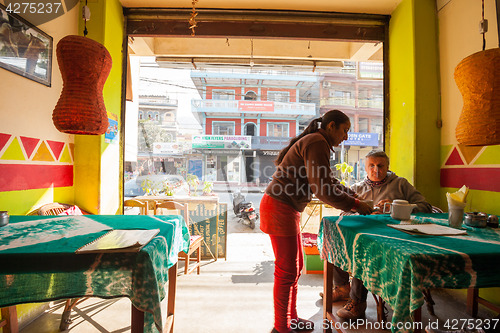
(293, 50)
(385, 7)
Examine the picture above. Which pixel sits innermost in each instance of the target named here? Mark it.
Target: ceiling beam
(143, 46)
(364, 52)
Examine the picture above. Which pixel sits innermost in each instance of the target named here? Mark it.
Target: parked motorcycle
(244, 210)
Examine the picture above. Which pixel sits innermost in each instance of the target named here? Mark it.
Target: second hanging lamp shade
(85, 65)
(478, 79)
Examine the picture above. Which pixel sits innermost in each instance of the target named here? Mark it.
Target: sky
(178, 86)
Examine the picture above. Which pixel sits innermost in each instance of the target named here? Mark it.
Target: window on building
(278, 129)
(250, 96)
(250, 129)
(223, 128)
(363, 125)
(223, 94)
(341, 94)
(278, 96)
(377, 125)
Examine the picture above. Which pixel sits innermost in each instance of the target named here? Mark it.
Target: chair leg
(381, 315)
(198, 259)
(65, 320)
(186, 267)
(9, 314)
(430, 302)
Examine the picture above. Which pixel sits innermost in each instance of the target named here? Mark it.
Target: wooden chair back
(53, 208)
(173, 205)
(436, 210)
(143, 205)
(195, 240)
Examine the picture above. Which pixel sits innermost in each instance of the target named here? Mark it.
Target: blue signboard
(362, 139)
(196, 168)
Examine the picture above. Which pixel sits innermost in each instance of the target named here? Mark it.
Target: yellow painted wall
(427, 102)
(414, 89)
(458, 38)
(97, 162)
(401, 130)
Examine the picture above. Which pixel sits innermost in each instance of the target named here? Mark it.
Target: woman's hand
(363, 208)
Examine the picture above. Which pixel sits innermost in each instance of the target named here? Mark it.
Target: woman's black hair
(337, 116)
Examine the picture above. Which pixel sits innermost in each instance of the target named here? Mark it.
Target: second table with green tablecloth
(39, 261)
(398, 266)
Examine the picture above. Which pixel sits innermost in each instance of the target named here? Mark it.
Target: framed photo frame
(25, 49)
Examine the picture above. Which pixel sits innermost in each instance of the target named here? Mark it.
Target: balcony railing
(158, 102)
(338, 101)
(362, 103)
(369, 103)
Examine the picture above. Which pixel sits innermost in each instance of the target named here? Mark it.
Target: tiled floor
(233, 295)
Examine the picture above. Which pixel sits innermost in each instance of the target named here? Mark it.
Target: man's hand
(363, 208)
(380, 205)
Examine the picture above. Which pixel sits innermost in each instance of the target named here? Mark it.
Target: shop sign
(218, 152)
(222, 142)
(256, 106)
(361, 139)
(167, 148)
(370, 70)
(269, 152)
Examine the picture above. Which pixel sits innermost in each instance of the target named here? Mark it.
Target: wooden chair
(195, 240)
(143, 206)
(436, 210)
(56, 208)
(9, 322)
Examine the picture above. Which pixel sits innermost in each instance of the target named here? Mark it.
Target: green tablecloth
(39, 261)
(398, 266)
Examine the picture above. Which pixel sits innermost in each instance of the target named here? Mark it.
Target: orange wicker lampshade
(478, 79)
(85, 65)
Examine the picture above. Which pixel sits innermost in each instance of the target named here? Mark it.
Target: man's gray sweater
(393, 188)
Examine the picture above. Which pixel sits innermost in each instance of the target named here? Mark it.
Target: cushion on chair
(73, 210)
(194, 238)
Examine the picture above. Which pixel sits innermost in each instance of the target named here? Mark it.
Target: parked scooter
(244, 210)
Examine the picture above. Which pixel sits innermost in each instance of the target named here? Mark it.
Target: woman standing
(303, 169)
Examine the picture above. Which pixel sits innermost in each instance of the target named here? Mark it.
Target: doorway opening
(227, 106)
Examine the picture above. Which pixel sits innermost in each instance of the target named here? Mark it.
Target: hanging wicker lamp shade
(85, 65)
(478, 79)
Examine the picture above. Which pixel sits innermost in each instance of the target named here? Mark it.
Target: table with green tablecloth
(39, 261)
(398, 266)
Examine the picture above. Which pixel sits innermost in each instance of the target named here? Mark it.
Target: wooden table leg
(417, 320)
(327, 295)
(472, 295)
(172, 284)
(9, 320)
(138, 315)
(137, 320)
(473, 301)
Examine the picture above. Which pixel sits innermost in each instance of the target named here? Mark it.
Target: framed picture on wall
(24, 49)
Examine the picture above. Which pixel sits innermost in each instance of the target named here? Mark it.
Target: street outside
(233, 226)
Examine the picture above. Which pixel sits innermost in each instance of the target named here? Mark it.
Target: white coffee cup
(399, 209)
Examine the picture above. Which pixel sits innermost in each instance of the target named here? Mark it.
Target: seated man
(381, 186)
